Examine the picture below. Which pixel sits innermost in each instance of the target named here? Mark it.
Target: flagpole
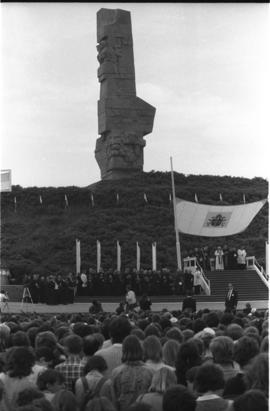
(178, 249)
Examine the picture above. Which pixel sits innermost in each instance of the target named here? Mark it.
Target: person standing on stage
(130, 298)
(231, 298)
(4, 300)
(241, 258)
(219, 259)
(189, 303)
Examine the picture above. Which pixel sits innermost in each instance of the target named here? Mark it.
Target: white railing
(252, 264)
(191, 264)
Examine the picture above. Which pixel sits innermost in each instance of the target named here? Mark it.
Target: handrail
(206, 281)
(260, 267)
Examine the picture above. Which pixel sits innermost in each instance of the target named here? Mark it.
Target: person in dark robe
(189, 303)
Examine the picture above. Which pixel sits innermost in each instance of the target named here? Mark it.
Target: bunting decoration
(215, 221)
(92, 200)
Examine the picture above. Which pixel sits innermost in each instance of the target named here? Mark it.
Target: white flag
(117, 198)
(78, 257)
(66, 201)
(98, 256)
(170, 198)
(92, 200)
(138, 257)
(215, 221)
(15, 204)
(220, 197)
(196, 198)
(145, 198)
(244, 199)
(154, 256)
(40, 200)
(5, 181)
(118, 257)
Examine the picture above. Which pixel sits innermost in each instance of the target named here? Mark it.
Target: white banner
(138, 257)
(98, 256)
(5, 181)
(154, 256)
(118, 256)
(78, 257)
(214, 221)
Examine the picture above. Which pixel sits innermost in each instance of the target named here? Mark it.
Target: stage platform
(83, 307)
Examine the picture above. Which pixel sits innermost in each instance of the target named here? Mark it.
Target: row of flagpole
(66, 201)
(118, 256)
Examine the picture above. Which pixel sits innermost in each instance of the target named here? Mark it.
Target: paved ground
(16, 307)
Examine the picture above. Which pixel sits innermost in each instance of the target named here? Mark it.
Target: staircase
(247, 282)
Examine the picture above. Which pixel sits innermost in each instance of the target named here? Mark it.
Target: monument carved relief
(123, 118)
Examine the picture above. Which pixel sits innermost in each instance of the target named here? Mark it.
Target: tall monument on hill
(123, 118)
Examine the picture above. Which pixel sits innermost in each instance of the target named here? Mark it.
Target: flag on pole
(5, 181)
(118, 257)
(66, 201)
(154, 256)
(92, 200)
(98, 256)
(78, 257)
(145, 198)
(196, 198)
(220, 197)
(117, 198)
(138, 257)
(244, 199)
(15, 204)
(215, 221)
(40, 200)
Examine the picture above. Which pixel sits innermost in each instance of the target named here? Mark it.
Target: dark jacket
(189, 303)
(231, 302)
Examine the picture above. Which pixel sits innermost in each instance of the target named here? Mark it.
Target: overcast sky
(205, 67)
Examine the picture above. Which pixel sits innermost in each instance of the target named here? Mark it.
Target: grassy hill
(41, 237)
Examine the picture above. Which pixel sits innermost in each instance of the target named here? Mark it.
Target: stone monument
(123, 118)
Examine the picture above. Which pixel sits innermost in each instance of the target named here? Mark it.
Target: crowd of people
(135, 361)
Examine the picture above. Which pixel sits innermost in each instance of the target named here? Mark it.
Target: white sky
(205, 67)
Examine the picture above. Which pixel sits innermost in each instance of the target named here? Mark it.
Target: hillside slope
(41, 237)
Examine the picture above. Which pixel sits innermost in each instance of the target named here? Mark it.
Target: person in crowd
(52, 384)
(222, 348)
(145, 303)
(189, 304)
(241, 258)
(209, 384)
(219, 265)
(121, 308)
(153, 353)
(32, 398)
(100, 404)
(130, 379)
(91, 344)
(170, 350)
(257, 375)
(93, 378)
(16, 378)
(96, 307)
(162, 379)
(179, 398)
(251, 400)
(71, 368)
(4, 403)
(231, 299)
(188, 356)
(119, 329)
(4, 301)
(130, 298)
